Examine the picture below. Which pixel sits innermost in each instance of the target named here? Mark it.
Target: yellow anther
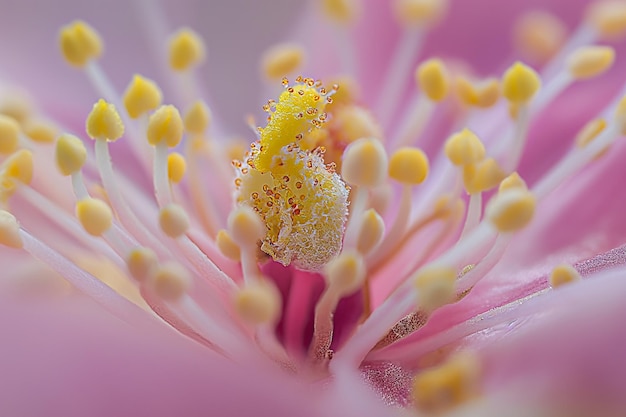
(9, 134)
(620, 115)
(349, 91)
(435, 287)
(365, 163)
(420, 12)
(70, 154)
(341, 11)
(40, 131)
(176, 167)
(258, 303)
(520, 83)
(80, 43)
(608, 17)
(227, 245)
(197, 118)
(18, 166)
(170, 281)
(511, 210)
(142, 263)
(371, 232)
(173, 220)
(432, 79)
(512, 182)
(464, 148)
(346, 273)
(590, 61)
(165, 125)
(562, 275)
(483, 176)
(590, 131)
(408, 166)
(186, 50)
(104, 122)
(9, 230)
(246, 227)
(17, 105)
(483, 94)
(282, 60)
(94, 215)
(142, 95)
(352, 122)
(448, 385)
(539, 35)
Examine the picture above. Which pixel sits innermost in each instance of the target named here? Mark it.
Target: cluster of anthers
(317, 193)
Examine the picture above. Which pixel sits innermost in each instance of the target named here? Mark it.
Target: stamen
(511, 210)
(247, 229)
(590, 61)
(173, 220)
(170, 281)
(539, 35)
(104, 122)
(608, 18)
(70, 154)
(435, 287)
(197, 118)
(420, 12)
(513, 181)
(341, 11)
(186, 50)
(40, 131)
(563, 275)
(371, 233)
(80, 43)
(464, 148)
(9, 231)
(176, 167)
(94, 215)
(282, 60)
(142, 263)
(9, 135)
(227, 245)
(258, 303)
(482, 94)
(142, 95)
(432, 79)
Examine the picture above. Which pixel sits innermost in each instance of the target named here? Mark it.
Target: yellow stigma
(563, 275)
(520, 83)
(9, 230)
(9, 134)
(165, 125)
(371, 232)
(197, 118)
(432, 79)
(365, 163)
(420, 12)
(482, 94)
(483, 176)
(511, 210)
(608, 18)
(513, 181)
(258, 303)
(142, 95)
(282, 60)
(341, 11)
(170, 281)
(227, 245)
(104, 122)
(590, 61)
(186, 50)
(94, 215)
(40, 131)
(451, 384)
(346, 273)
(80, 43)
(408, 166)
(176, 167)
(539, 35)
(141, 263)
(435, 287)
(70, 154)
(173, 220)
(464, 148)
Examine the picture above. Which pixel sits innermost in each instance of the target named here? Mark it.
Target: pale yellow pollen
(482, 94)
(464, 148)
(408, 166)
(420, 12)
(520, 83)
(9, 134)
(432, 79)
(40, 131)
(341, 11)
(482, 176)
(435, 287)
(590, 61)
(9, 230)
(608, 18)
(227, 245)
(365, 163)
(176, 167)
(346, 273)
(18, 166)
(539, 35)
(451, 384)
(246, 227)
(165, 125)
(590, 131)
(371, 232)
(142, 263)
(511, 210)
(258, 303)
(513, 181)
(141, 96)
(104, 122)
(186, 50)
(94, 215)
(70, 154)
(170, 281)
(80, 43)
(562, 275)
(620, 115)
(282, 60)
(173, 220)
(197, 118)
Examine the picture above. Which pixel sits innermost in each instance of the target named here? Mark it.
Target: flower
(342, 263)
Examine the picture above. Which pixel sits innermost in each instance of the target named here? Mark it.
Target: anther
(513, 181)
(481, 94)
(608, 18)
(104, 122)
(464, 148)
(40, 131)
(176, 167)
(520, 83)
(197, 118)
(70, 154)
(165, 125)
(482, 176)
(9, 134)
(432, 79)
(511, 210)
(420, 12)
(246, 227)
(371, 232)
(258, 303)
(435, 287)
(142, 95)
(539, 35)
(142, 263)
(9, 230)
(590, 131)
(590, 61)
(173, 220)
(94, 215)
(620, 116)
(562, 275)
(80, 43)
(186, 50)
(365, 163)
(170, 281)
(341, 11)
(408, 166)
(282, 60)
(346, 273)
(227, 245)
(18, 166)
